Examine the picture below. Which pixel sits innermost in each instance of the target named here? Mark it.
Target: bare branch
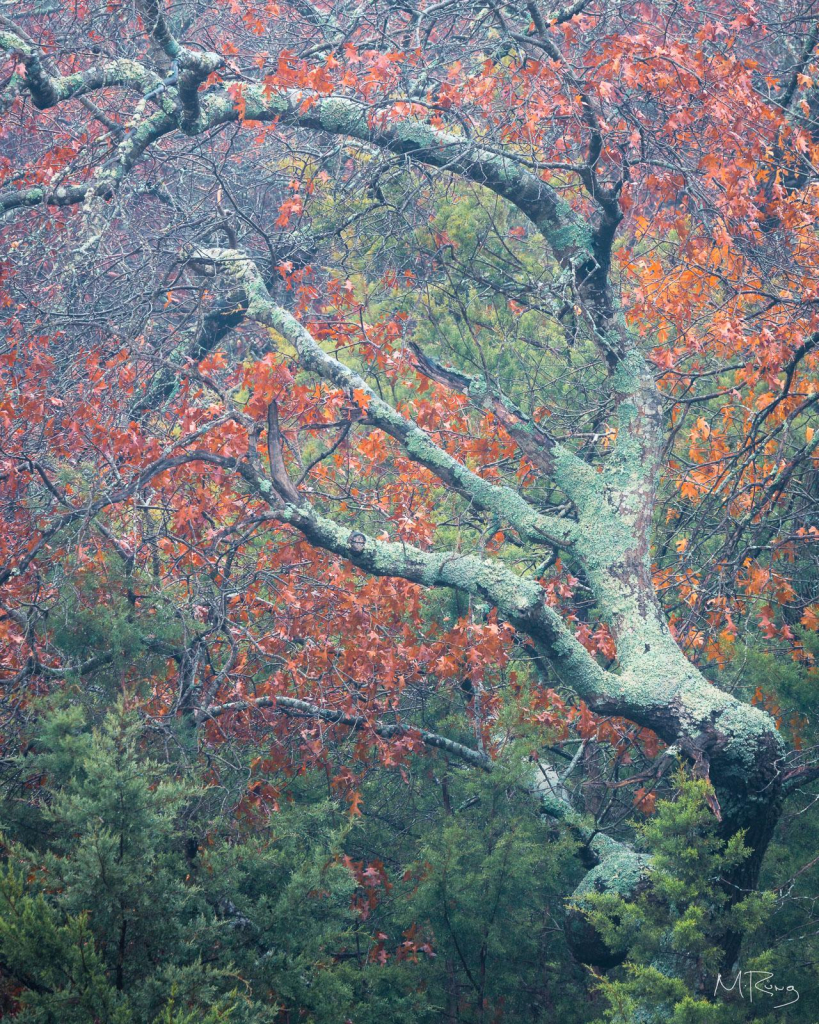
(278, 470)
(292, 706)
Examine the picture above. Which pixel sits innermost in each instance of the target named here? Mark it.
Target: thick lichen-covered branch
(519, 600)
(614, 506)
(567, 232)
(47, 89)
(580, 247)
(196, 65)
(737, 743)
(416, 443)
(107, 178)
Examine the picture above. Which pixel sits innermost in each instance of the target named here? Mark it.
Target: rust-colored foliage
(132, 426)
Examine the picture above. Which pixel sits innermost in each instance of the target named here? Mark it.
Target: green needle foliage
(671, 931)
(117, 905)
(139, 883)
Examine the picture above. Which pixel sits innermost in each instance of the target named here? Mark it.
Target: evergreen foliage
(139, 884)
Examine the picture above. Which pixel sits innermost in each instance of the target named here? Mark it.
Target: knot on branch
(356, 542)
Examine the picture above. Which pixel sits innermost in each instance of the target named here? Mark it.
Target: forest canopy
(409, 474)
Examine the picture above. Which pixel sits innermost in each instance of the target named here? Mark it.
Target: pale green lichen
(564, 233)
(478, 388)
(659, 684)
(12, 43)
(343, 117)
(621, 872)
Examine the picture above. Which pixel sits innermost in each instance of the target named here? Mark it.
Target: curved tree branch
(302, 708)
(415, 442)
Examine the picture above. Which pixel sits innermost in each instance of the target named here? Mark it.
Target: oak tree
(358, 350)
